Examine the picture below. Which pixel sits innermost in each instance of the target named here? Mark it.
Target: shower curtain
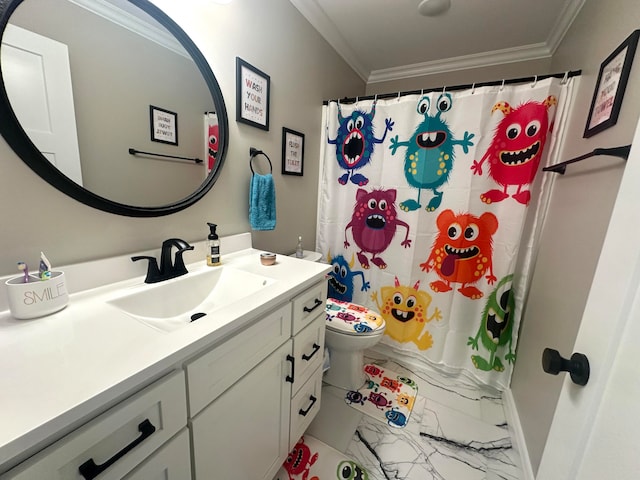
(429, 209)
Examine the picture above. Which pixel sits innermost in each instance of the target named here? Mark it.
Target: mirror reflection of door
(37, 78)
(123, 61)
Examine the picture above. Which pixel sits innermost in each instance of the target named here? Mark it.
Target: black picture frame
(292, 152)
(253, 91)
(164, 125)
(610, 87)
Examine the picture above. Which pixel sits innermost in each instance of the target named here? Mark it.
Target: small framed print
(164, 125)
(292, 152)
(252, 95)
(610, 87)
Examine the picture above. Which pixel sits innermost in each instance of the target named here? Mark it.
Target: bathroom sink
(177, 302)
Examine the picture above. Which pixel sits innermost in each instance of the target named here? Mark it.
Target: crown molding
(563, 23)
(484, 59)
(319, 20)
(116, 15)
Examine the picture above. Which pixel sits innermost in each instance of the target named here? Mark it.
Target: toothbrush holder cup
(37, 298)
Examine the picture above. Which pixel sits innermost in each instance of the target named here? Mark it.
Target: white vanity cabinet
(232, 412)
(251, 397)
(124, 437)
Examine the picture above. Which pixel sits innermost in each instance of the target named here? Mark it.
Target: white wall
(304, 70)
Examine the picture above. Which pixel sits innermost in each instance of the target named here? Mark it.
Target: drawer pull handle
(289, 378)
(89, 470)
(316, 304)
(316, 347)
(313, 402)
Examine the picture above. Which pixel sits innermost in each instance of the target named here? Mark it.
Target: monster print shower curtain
(421, 212)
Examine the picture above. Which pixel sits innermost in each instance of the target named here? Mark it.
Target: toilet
(350, 330)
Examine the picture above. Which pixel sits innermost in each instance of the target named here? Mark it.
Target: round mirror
(110, 102)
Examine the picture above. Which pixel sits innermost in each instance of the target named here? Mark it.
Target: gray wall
(304, 70)
(578, 216)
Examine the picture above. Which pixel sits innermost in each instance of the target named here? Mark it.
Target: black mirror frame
(22, 145)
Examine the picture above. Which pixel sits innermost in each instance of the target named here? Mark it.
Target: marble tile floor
(456, 432)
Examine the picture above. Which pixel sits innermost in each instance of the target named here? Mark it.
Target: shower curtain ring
(357, 100)
(565, 78)
(444, 89)
(535, 80)
(375, 98)
(501, 86)
(473, 88)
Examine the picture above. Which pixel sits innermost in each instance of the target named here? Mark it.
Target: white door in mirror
(37, 76)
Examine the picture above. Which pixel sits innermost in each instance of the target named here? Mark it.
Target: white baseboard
(517, 435)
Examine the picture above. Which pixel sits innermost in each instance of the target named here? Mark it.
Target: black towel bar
(622, 152)
(133, 151)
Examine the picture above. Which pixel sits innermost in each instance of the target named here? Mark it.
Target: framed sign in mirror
(164, 125)
(252, 95)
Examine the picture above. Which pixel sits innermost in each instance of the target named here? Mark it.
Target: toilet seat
(352, 319)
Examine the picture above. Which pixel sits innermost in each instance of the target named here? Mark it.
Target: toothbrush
(45, 267)
(25, 271)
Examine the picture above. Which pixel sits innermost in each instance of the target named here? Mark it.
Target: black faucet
(168, 268)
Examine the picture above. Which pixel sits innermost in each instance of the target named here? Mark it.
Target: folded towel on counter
(262, 202)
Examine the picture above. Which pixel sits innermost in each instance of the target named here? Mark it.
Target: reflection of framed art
(164, 125)
(610, 87)
(292, 152)
(252, 95)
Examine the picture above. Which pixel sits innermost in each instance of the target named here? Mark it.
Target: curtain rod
(511, 81)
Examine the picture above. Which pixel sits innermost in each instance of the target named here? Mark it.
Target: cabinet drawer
(171, 462)
(303, 406)
(221, 367)
(162, 404)
(308, 305)
(308, 351)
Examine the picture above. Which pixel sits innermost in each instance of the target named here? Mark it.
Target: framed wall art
(164, 125)
(252, 95)
(292, 152)
(610, 87)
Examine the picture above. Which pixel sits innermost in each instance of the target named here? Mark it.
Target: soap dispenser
(213, 246)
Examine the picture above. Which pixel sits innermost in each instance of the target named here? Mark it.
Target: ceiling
(388, 39)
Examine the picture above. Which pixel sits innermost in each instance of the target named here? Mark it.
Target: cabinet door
(171, 462)
(244, 433)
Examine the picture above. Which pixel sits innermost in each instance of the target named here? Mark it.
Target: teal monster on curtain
(422, 212)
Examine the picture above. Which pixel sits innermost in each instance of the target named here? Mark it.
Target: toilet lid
(352, 318)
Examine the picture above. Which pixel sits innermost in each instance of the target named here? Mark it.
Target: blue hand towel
(262, 202)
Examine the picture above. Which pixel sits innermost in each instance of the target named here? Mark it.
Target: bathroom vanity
(98, 390)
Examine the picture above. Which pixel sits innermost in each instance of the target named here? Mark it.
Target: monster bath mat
(311, 459)
(386, 396)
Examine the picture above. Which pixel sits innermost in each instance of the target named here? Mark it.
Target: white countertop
(58, 371)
